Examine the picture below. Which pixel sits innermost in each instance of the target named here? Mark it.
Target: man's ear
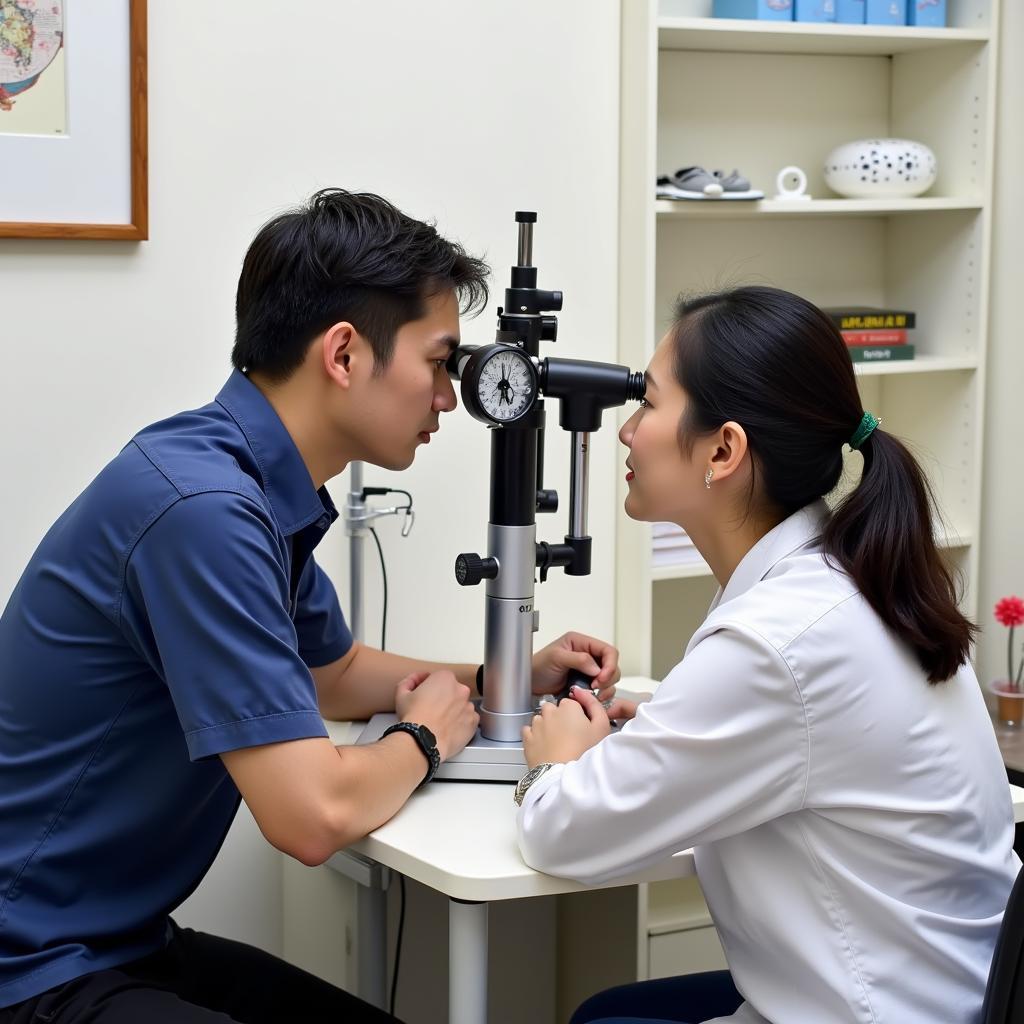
(729, 451)
(340, 350)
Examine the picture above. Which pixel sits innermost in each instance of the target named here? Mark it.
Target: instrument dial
(505, 384)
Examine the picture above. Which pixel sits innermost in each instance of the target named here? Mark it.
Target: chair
(1004, 994)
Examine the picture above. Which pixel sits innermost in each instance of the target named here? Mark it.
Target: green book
(880, 353)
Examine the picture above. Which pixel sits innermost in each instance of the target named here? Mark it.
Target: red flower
(1010, 611)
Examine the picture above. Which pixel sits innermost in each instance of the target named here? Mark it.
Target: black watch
(428, 744)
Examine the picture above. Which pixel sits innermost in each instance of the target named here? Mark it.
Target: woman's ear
(729, 450)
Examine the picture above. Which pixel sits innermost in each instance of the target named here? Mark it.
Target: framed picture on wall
(73, 125)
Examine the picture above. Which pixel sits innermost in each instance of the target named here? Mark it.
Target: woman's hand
(622, 710)
(595, 658)
(562, 732)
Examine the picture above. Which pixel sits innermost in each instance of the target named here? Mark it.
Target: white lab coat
(852, 824)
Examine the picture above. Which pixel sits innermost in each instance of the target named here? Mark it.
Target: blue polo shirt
(172, 613)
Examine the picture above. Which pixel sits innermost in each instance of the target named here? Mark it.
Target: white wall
(460, 111)
(1002, 532)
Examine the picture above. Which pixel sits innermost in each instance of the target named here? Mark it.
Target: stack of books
(874, 335)
(672, 546)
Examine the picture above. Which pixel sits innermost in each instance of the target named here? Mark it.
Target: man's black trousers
(197, 979)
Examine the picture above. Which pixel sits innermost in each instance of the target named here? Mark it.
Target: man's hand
(562, 732)
(594, 657)
(441, 703)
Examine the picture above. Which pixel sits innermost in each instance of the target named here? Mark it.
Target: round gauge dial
(506, 384)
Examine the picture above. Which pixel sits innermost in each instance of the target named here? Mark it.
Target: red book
(895, 336)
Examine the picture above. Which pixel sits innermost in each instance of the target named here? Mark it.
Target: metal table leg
(371, 923)
(467, 966)
(372, 955)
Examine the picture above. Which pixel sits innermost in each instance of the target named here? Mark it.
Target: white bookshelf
(760, 96)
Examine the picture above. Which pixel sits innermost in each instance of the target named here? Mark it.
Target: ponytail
(776, 364)
(881, 535)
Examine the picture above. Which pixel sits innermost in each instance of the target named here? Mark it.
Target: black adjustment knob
(470, 569)
(547, 501)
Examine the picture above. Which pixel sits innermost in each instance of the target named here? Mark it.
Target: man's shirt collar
(286, 480)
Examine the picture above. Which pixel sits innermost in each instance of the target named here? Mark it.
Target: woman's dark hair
(343, 256)
(775, 363)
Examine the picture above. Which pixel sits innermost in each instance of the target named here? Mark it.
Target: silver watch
(528, 780)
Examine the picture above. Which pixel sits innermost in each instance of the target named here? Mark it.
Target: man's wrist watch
(428, 744)
(528, 780)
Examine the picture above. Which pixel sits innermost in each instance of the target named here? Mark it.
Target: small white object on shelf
(799, 191)
(881, 168)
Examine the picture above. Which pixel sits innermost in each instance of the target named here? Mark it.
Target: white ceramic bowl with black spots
(880, 169)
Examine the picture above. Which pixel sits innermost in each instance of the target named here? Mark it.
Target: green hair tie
(864, 431)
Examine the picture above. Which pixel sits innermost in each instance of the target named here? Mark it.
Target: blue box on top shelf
(926, 13)
(814, 10)
(886, 12)
(764, 10)
(850, 12)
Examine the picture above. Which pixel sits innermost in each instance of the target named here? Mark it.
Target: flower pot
(1009, 703)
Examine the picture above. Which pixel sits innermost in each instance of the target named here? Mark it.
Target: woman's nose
(628, 429)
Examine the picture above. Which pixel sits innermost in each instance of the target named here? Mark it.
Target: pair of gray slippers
(696, 183)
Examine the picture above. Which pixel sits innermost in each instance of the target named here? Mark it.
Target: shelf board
(687, 571)
(947, 540)
(665, 920)
(675, 906)
(920, 364)
(732, 35)
(682, 209)
(954, 539)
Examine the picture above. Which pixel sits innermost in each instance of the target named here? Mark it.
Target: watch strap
(430, 751)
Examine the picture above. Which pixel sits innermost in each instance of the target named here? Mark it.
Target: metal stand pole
(467, 966)
(357, 537)
(371, 896)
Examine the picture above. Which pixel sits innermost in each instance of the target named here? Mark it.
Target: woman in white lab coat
(823, 743)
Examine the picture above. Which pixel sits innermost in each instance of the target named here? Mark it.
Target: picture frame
(85, 176)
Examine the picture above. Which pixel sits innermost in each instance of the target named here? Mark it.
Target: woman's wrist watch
(529, 779)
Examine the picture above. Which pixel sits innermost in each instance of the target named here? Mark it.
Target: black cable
(384, 577)
(398, 941)
(369, 491)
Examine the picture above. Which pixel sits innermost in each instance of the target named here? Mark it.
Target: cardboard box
(814, 10)
(926, 13)
(886, 12)
(850, 12)
(762, 10)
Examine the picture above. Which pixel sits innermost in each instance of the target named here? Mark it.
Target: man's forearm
(379, 778)
(367, 684)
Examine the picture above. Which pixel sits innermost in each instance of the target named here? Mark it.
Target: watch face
(428, 736)
(506, 386)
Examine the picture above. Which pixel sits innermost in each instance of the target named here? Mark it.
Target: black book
(869, 318)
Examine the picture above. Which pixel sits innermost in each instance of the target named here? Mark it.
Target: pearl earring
(707, 478)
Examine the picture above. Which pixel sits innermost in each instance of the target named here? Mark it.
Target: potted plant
(1008, 692)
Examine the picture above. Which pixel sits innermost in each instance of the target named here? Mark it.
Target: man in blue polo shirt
(172, 645)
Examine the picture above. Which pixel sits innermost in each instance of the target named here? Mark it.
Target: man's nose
(444, 398)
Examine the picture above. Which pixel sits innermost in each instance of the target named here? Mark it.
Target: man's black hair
(343, 256)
